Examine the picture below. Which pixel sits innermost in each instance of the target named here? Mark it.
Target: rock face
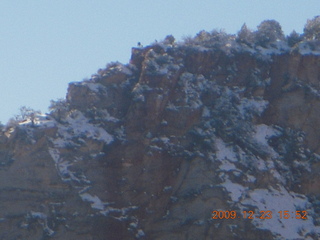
(166, 147)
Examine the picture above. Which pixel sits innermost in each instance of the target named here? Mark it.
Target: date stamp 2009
(260, 215)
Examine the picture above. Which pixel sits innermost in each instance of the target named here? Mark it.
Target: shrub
(169, 39)
(188, 40)
(294, 38)
(211, 39)
(59, 108)
(203, 36)
(268, 31)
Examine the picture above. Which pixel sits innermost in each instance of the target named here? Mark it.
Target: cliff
(148, 150)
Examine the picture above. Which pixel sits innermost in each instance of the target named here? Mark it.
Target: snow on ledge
(223, 151)
(80, 125)
(95, 201)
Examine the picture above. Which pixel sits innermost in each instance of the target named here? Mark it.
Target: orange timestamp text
(260, 215)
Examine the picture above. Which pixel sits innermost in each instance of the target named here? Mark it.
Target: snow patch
(95, 201)
(263, 132)
(224, 151)
(252, 105)
(306, 49)
(261, 135)
(140, 233)
(39, 120)
(235, 190)
(42, 220)
(171, 107)
(165, 140)
(78, 126)
(227, 166)
(124, 69)
(62, 166)
(55, 154)
(275, 48)
(206, 112)
(281, 200)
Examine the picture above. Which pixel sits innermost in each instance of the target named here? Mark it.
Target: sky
(44, 45)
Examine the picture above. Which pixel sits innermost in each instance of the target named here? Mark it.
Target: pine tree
(312, 29)
(294, 38)
(245, 35)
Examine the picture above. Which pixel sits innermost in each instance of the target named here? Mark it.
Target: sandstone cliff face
(148, 150)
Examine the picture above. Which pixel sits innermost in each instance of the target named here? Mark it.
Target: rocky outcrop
(150, 149)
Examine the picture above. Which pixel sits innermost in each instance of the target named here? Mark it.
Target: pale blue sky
(45, 44)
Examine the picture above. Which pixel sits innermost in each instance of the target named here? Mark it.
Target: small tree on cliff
(294, 38)
(26, 113)
(203, 36)
(245, 36)
(312, 29)
(59, 108)
(268, 31)
(169, 39)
